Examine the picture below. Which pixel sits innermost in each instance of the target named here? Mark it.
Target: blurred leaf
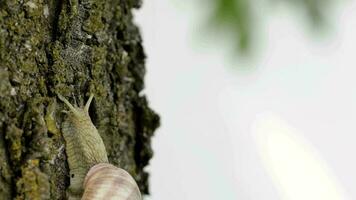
(235, 17)
(315, 9)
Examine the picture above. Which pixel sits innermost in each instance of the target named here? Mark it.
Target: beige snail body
(85, 149)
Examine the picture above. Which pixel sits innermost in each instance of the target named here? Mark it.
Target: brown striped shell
(107, 182)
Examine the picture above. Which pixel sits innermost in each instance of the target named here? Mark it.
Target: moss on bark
(73, 48)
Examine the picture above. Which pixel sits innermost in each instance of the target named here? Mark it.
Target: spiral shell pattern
(107, 182)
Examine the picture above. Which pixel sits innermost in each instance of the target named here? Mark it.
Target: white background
(207, 101)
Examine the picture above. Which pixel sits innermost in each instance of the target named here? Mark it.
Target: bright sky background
(208, 146)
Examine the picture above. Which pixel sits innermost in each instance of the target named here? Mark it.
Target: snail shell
(107, 182)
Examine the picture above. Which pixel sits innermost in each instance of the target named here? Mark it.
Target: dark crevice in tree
(6, 157)
(58, 4)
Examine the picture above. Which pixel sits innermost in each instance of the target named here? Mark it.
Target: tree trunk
(73, 48)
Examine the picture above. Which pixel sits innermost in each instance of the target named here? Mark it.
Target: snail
(91, 175)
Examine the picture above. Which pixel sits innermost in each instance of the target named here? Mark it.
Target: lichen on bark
(73, 48)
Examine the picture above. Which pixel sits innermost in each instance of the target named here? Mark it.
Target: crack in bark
(6, 157)
(56, 16)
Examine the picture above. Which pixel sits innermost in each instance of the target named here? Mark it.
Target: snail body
(86, 151)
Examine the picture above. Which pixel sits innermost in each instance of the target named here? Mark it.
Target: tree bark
(73, 48)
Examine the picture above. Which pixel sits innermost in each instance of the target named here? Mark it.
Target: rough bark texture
(71, 47)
